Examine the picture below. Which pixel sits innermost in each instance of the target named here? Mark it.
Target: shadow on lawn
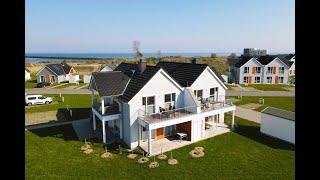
(76, 113)
(253, 132)
(65, 132)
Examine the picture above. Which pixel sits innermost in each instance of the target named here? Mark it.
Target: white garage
(278, 123)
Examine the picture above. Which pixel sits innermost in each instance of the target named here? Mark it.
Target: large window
(269, 70)
(257, 79)
(269, 80)
(245, 79)
(281, 70)
(42, 79)
(198, 94)
(258, 70)
(213, 94)
(148, 104)
(281, 80)
(170, 99)
(246, 70)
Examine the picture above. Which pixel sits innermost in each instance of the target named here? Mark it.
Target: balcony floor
(168, 144)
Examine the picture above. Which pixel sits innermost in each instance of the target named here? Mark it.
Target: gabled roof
(264, 60)
(289, 56)
(138, 80)
(279, 113)
(27, 70)
(59, 69)
(242, 60)
(112, 83)
(185, 73)
(111, 66)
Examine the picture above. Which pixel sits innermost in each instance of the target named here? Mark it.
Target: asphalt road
(228, 93)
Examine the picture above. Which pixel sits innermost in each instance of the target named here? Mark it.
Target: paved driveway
(248, 114)
(56, 91)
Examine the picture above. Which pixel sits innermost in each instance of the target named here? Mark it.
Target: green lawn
(55, 153)
(286, 103)
(230, 87)
(267, 87)
(32, 82)
(79, 103)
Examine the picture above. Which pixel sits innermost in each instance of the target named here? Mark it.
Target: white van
(37, 99)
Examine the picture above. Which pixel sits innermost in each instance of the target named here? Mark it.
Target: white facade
(86, 78)
(292, 69)
(72, 78)
(158, 86)
(106, 69)
(246, 74)
(278, 127)
(26, 75)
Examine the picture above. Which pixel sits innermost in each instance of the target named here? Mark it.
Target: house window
(290, 71)
(52, 79)
(269, 80)
(281, 70)
(246, 70)
(42, 79)
(148, 104)
(213, 94)
(281, 80)
(258, 70)
(170, 99)
(257, 79)
(269, 70)
(198, 94)
(245, 79)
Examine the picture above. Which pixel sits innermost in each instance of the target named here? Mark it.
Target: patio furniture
(181, 135)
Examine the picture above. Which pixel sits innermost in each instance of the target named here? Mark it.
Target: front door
(160, 134)
(250, 80)
(277, 80)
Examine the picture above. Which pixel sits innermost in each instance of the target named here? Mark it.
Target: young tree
(136, 49)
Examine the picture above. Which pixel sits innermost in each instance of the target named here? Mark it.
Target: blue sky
(110, 26)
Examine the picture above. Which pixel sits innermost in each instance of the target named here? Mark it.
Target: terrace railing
(167, 115)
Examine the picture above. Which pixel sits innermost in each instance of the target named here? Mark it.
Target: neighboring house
(292, 59)
(57, 73)
(108, 67)
(86, 78)
(278, 123)
(26, 74)
(261, 70)
(134, 97)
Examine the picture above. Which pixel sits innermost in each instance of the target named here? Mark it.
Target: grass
(55, 153)
(267, 87)
(65, 85)
(230, 87)
(286, 103)
(79, 103)
(32, 82)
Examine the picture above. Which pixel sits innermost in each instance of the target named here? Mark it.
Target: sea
(56, 57)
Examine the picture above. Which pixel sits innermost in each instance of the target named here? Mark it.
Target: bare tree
(136, 49)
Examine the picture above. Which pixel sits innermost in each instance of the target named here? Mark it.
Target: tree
(213, 55)
(136, 49)
(233, 55)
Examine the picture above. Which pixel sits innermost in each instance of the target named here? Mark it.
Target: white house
(261, 70)
(148, 106)
(278, 123)
(57, 73)
(26, 74)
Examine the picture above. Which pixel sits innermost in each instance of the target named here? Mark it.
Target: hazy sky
(97, 26)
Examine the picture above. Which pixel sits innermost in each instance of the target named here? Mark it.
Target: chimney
(194, 61)
(141, 65)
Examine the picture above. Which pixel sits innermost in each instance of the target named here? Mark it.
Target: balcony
(182, 112)
(110, 112)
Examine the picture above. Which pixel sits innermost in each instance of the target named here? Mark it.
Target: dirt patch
(251, 106)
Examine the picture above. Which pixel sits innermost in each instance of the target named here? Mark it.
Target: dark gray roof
(59, 69)
(112, 83)
(279, 113)
(264, 60)
(185, 73)
(138, 79)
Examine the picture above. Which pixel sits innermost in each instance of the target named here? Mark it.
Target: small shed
(278, 123)
(26, 74)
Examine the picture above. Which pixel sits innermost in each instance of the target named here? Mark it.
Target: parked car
(43, 84)
(37, 99)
